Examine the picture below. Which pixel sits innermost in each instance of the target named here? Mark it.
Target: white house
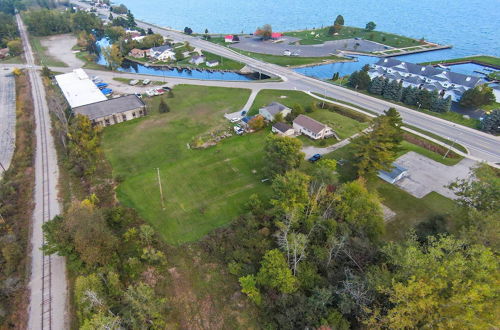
(162, 53)
(272, 109)
(283, 129)
(396, 174)
(312, 128)
(427, 77)
(211, 64)
(197, 59)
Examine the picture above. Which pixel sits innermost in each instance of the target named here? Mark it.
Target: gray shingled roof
(309, 123)
(282, 127)
(109, 107)
(161, 49)
(274, 108)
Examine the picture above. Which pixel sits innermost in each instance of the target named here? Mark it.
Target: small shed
(212, 63)
(396, 174)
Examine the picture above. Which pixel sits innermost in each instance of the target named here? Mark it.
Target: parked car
(146, 81)
(101, 85)
(139, 95)
(150, 93)
(315, 158)
(107, 91)
(134, 82)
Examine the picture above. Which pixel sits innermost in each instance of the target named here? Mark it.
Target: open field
(409, 210)
(322, 35)
(42, 56)
(290, 60)
(12, 60)
(481, 59)
(203, 189)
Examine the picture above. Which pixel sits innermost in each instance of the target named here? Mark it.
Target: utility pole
(161, 190)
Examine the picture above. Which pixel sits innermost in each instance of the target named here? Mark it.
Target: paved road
(48, 285)
(7, 119)
(481, 145)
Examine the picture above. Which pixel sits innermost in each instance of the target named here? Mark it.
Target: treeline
(117, 262)
(16, 207)
(44, 22)
(394, 91)
(9, 35)
(313, 256)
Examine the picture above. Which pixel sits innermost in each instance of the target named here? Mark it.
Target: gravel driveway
(426, 175)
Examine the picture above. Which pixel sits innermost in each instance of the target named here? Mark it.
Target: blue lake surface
(471, 26)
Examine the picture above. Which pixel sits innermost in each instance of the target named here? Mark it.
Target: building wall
(120, 117)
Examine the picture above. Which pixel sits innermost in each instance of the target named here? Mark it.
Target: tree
(110, 17)
(444, 284)
(121, 9)
(188, 30)
(291, 191)
(378, 148)
(131, 20)
(83, 21)
(370, 26)
(257, 123)
(424, 99)
(339, 20)
(282, 154)
(477, 96)
(335, 76)
(113, 56)
(360, 210)
(491, 122)
(143, 308)
(274, 273)
(150, 31)
(377, 85)
(409, 96)
(393, 91)
(179, 56)
(163, 106)
(359, 79)
(15, 47)
(249, 287)
(46, 72)
(265, 32)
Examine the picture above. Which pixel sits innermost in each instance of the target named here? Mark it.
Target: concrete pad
(426, 175)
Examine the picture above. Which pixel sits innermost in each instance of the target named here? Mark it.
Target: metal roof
(78, 89)
(110, 107)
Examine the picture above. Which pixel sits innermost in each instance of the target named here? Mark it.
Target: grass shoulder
(12, 60)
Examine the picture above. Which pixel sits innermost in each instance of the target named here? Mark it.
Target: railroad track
(41, 311)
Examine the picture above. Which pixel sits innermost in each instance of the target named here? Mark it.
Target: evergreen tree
(477, 96)
(377, 85)
(392, 91)
(163, 107)
(359, 80)
(423, 99)
(409, 95)
(491, 123)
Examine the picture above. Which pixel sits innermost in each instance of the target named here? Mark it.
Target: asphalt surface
(48, 308)
(7, 119)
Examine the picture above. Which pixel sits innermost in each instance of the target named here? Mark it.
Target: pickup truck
(315, 158)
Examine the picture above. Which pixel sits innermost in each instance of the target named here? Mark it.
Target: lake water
(471, 26)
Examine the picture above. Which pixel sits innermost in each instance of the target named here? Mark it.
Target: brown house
(139, 53)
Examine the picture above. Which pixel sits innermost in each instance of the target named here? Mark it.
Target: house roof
(394, 173)
(212, 62)
(197, 57)
(110, 107)
(276, 35)
(282, 127)
(161, 49)
(274, 108)
(4, 51)
(309, 123)
(229, 36)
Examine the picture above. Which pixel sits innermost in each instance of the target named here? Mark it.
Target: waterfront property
(312, 128)
(113, 111)
(197, 59)
(162, 53)
(139, 53)
(447, 83)
(271, 110)
(212, 63)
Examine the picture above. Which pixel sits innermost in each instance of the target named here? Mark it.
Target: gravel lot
(7, 118)
(426, 175)
(59, 46)
(256, 45)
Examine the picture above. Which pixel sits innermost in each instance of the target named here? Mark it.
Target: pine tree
(409, 96)
(423, 99)
(491, 123)
(163, 107)
(353, 80)
(377, 85)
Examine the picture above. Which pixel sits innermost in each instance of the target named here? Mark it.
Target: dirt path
(59, 47)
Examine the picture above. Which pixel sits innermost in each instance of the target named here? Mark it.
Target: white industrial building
(79, 89)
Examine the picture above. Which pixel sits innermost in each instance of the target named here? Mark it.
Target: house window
(133, 114)
(106, 122)
(124, 117)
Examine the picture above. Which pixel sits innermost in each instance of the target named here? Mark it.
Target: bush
(362, 118)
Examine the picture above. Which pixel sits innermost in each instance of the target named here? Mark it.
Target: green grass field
(487, 60)
(12, 60)
(41, 57)
(203, 189)
(347, 32)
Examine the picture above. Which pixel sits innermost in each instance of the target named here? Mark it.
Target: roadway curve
(48, 285)
(481, 146)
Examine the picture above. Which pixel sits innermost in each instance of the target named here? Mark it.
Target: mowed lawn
(203, 189)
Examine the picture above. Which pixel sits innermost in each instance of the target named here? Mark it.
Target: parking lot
(7, 118)
(256, 45)
(426, 175)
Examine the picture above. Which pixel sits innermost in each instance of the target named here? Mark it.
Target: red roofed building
(229, 38)
(276, 35)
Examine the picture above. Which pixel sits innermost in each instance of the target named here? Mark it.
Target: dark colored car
(315, 158)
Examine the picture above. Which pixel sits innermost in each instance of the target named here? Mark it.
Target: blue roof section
(246, 119)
